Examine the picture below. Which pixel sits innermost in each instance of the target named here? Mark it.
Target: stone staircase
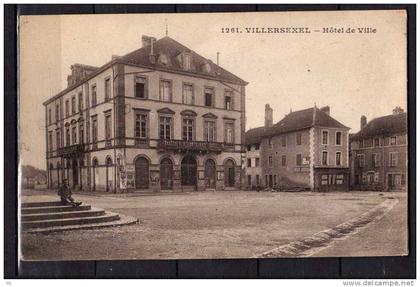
(45, 217)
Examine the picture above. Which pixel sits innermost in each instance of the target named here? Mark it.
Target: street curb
(320, 240)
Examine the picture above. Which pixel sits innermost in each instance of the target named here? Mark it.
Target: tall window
(324, 158)
(94, 129)
(361, 160)
(94, 99)
(283, 160)
(270, 161)
(67, 108)
(73, 105)
(57, 112)
(338, 158)
(270, 142)
(229, 133)
(188, 94)
(228, 100)
(74, 134)
(107, 128)
(49, 116)
(298, 139)
(165, 90)
(58, 138)
(325, 137)
(67, 136)
(257, 179)
(209, 131)
(107, 89)
(208, 97)
(80, 102)
(140, 88)
(187, 129)
(375, 160)
(50, 141)
(249, 162)
(165, 128)
(298, 159)
(283, 140)
(376, 142)
(141, 126)
(257, 162)
(393, 159)
(338, 138)
(81, 133)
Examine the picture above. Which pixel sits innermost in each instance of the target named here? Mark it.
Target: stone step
(41, 204)
(58, 215)
(53, 209)
(107, 217)
(124, 220)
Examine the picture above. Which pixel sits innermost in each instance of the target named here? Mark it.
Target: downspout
(115, 124)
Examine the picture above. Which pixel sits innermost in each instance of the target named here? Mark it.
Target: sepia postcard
(213, 135)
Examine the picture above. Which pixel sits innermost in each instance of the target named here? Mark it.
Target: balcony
(198, 146)
(71, 151)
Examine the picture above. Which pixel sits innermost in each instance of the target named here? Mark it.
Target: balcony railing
(71, 151)
(190, 145)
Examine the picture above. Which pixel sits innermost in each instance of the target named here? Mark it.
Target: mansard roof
(303, 119)
(168, 47)
(383, 126)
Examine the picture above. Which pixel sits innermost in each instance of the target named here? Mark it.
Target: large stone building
(159, 118)
(306, 149)
(379, 153)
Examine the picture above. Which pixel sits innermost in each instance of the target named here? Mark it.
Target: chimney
(146, 40)
(363, 122)
(326, 109)
(268, 116)
(398, 110)
(114, 57)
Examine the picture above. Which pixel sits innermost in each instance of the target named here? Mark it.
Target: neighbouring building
(159, 118)
(307, 149)
(379, 153)
(253, 151)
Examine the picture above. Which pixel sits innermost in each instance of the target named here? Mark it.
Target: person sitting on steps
(65, 193)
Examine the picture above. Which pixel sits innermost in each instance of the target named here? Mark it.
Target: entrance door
(166, 173)
(108, 175)
(189, 171)
(270, 180)
(390, 182)
(229, 173)
(75, 173)
(94, 171)
(210, 174)
(142, 173)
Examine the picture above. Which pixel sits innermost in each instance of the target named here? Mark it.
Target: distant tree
(29, 171)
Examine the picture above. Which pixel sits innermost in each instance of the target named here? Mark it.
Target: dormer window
(187, 61)
(206, 68)
(163, 60)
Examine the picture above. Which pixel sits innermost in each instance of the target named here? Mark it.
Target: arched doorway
(108, 176)
(50, 181)
(75, 173)
(210, 174)
(166, 173)
(142, 173)
(94, 171)
(58, 174)
(81, 167)
(229, 173)
(189, 171)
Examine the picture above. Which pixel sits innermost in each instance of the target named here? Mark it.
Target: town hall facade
(159, 118)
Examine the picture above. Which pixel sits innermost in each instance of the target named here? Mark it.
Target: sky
(354, 73)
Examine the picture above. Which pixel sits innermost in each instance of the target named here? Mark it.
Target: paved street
(222, 225)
